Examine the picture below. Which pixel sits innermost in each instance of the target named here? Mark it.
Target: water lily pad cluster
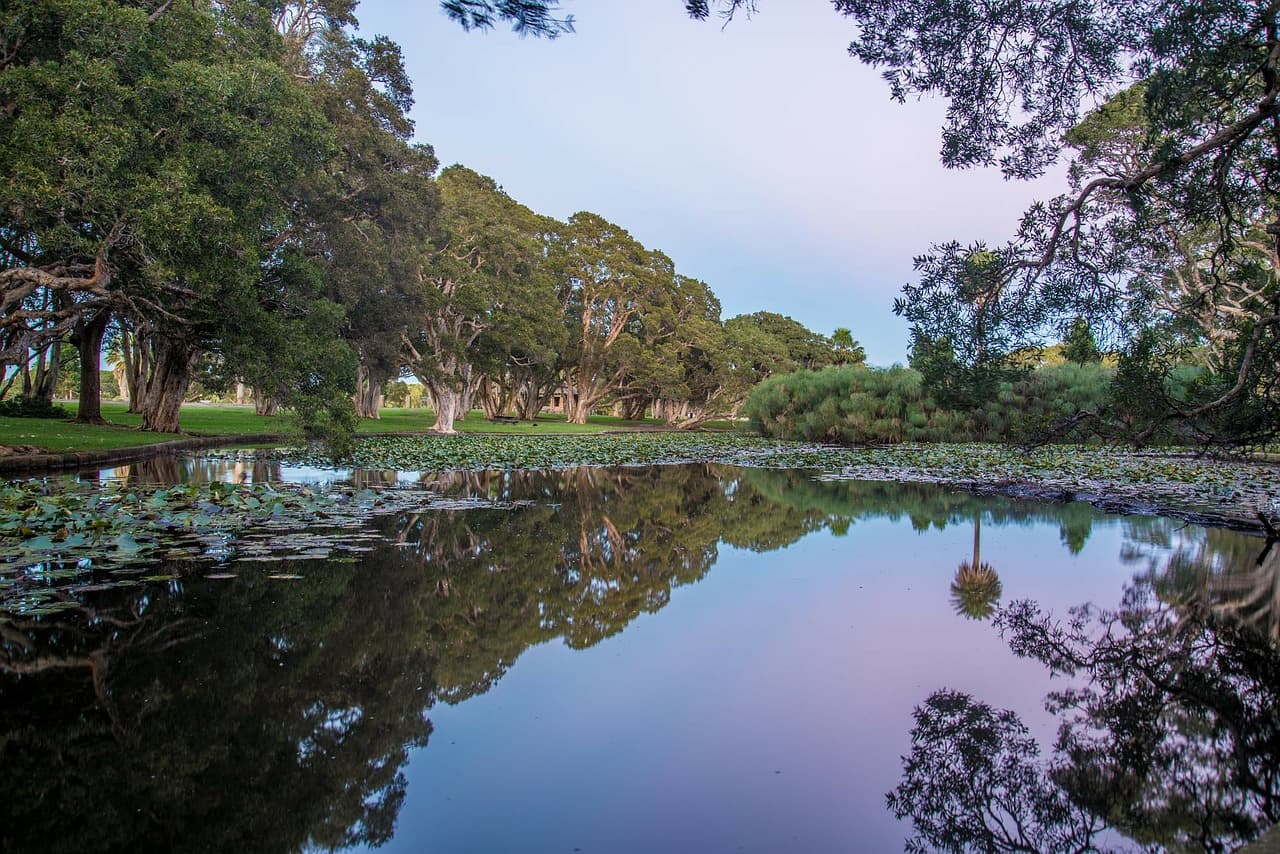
(472, 452)
(1158, 482)
(1162, 481)
(58, 530)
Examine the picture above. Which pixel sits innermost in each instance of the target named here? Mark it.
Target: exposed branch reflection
(277, 715)
(1169, 732)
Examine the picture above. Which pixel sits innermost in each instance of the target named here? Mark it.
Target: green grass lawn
(199, 419)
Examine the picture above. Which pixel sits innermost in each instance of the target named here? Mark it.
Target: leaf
(39, 544)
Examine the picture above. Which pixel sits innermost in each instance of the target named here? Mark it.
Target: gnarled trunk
(171, 375)
(470, 382)
(40, 384)
(87, 337)
(531, 403)
(265, 404)
(633, 408)
(368, 396)
(136, 354)
(579, 408)
(533, 390)
(448, 403)
(497, 396)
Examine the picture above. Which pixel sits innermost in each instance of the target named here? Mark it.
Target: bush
(31, 407)
(860, 406)
(851, 405)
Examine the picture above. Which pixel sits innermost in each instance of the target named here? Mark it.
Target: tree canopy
(231, 194)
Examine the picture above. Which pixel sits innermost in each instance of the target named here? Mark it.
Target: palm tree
(976, 588)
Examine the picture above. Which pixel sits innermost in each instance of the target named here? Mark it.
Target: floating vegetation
(1158, 482)
(57, 530)
(497, 452)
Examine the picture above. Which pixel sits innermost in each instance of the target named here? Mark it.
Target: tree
(1201, 160)
(847, 351)
(606, 279)
(696, 380)
(781, 344)
(159, 217)
(1078, 345)
(1185, 94)
(364, 218)
(478, 280)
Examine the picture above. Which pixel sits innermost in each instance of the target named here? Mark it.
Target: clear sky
(760, 156)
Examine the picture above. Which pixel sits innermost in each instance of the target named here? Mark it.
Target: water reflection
(1168, 736)
(168, 469)
(977, 588)
(1211, 571)
(279, 715)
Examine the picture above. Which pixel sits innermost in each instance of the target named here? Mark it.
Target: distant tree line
(228, 194)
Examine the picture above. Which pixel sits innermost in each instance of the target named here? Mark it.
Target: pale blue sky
(760, 157)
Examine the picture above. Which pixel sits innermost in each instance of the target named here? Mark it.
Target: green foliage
(783, 344)
(1079, 345)
(877, 406)
(31, 407)
(1167, 227)
(851, 406)
(847, 351)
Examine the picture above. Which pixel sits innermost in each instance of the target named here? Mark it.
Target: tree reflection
(274, 715)
(1169, 733)
(266, 716)
(1209, 570)
(976, 588)
(974, 782)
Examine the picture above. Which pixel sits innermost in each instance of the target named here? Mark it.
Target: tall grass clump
(851, 405)
(1045, 405)
(873, 406)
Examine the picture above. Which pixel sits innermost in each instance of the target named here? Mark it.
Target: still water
(679, 658)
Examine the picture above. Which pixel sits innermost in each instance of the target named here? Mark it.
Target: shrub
(31, 407)
(861, 405)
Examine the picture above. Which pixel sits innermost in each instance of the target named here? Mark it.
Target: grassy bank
(124, 428)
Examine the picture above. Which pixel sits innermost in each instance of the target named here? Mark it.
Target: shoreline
(1107, 492)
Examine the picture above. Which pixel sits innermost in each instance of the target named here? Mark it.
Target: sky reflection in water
(655, 704)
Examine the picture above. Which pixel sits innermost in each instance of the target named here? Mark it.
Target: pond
(695, 657)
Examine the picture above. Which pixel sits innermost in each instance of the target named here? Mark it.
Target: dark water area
(679, 658)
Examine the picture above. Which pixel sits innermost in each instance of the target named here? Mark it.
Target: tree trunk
(490, 398)
(265, 404)
(45, 381)
(578, 411)
(121, 383)
(135, 351)
(467, 395)
(368, 396)
(531, 393)
(531, 403)
(87, 336)
(633, 408)
(448, 402)
(168, 384)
